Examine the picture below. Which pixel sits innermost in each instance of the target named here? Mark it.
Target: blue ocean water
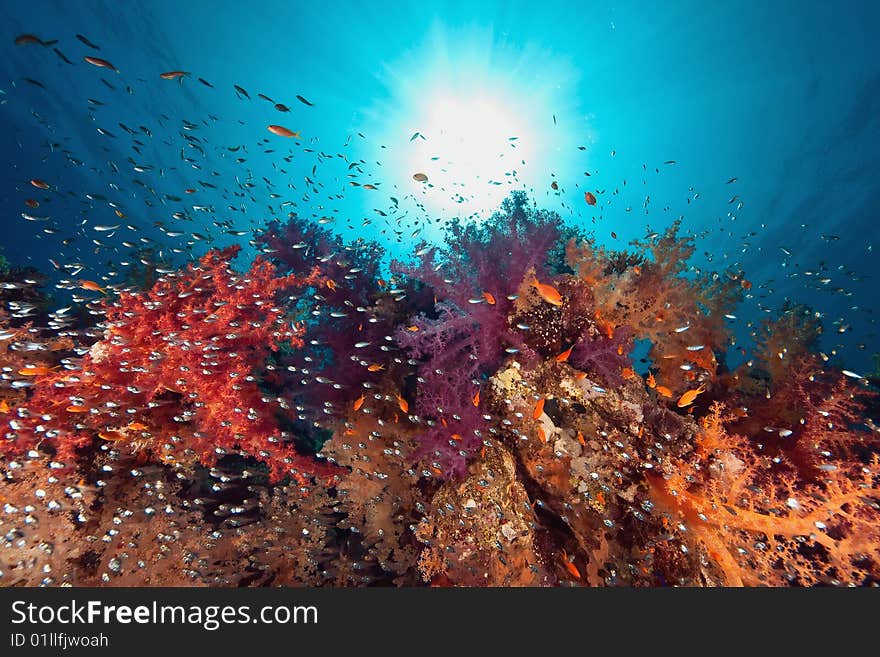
(781, 96)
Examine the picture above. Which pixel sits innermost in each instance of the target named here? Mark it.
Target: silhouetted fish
(87, 42)
(61, 55)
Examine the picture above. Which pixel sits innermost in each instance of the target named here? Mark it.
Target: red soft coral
(175, 377)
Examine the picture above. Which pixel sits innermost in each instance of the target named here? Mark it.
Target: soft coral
(762, 522)
(682, 316)
(467, 334)
(353, 307)
(175, 376)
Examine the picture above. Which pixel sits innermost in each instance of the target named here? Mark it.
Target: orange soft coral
(760, 522)
(682, 317)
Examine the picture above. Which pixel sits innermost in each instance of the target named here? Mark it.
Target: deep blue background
(782, 95)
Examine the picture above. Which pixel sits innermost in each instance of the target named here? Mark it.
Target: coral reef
(475, 418)
(173, 379)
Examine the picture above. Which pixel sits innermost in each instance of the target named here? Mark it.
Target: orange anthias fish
(607, 328)
(173, 75)
(281, 131)
(402, 403)
(112, 435)
(91, 286)
(563, 357)
(4, 407)
(358, 403)
(589, 198)
(137, 426)
(663, 390)
(570, 567)
(651, 381)
(547, 292)
(375, 367)
(36, 370)
(101, 63)
(489, 298)
(25, 39)
(539, 409)
(628, 373)
(688, 398)
(476, 399)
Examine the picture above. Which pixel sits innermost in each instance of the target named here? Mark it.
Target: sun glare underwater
(451, 294)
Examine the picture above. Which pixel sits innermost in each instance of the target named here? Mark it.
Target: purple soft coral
(603, 355)
(475, 281)
(452, 353)
(349, 309)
